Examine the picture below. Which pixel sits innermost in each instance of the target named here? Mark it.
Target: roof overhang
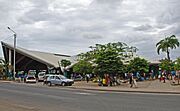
(23, 52)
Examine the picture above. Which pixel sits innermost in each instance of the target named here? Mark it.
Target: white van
(41, 76)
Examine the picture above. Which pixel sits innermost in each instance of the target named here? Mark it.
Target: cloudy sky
(71, 26)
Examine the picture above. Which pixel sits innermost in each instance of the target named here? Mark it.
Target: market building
(26, 60)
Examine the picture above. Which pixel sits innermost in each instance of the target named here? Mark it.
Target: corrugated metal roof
(49, 59)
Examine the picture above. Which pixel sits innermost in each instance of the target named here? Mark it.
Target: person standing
(173, 76)
(134, 81)
(104, 81)
(164, 76)
(107, 80)
(159, 77)
(131, 79)
(87, 78)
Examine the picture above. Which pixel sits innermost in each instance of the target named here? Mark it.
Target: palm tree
(166, 44)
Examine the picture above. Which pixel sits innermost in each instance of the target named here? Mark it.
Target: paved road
(17, 97)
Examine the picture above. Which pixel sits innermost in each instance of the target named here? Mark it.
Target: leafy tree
(138, 65)
(132, 50)
(177, 64)
(177, 67)
(107, 58)
(83, 67)
(1, 69)
(166, 44)
(166, 65)
(4, 68)
(65, 63)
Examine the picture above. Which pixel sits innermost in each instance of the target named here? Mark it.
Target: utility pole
(14, 63)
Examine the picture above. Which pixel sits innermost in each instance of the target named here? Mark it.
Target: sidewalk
(144, 87)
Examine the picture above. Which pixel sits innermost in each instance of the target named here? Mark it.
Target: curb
(6, 81)
(127, 91)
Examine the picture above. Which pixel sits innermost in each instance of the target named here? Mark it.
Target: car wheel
(49, 84)
(70, 84)
(63, 84)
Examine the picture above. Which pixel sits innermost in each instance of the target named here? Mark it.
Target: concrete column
(10, 61)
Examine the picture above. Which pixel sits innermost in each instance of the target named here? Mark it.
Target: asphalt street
(18, 97)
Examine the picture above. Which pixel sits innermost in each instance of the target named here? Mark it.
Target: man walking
(131, 79)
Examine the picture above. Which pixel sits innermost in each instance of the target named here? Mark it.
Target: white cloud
(71, 26)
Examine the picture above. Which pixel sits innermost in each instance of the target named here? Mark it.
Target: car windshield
(42, 74)
(32, 72)
(30, 78)
(62, 77)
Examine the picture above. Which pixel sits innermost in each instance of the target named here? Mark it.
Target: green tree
(107, 58)
(177, 64)
(4, 68)
(177, 67)
(65, 63)
(166, 44)
(83, 67)
(166, 65)
(138, 65)
(132, 50)
(1, 70)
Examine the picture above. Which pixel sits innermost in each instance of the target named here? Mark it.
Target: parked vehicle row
(49, 79)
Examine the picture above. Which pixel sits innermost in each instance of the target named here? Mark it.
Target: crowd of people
(168, 75)
(131, 78)
(114, 80)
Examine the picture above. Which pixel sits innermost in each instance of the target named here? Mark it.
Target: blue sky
(71, 26)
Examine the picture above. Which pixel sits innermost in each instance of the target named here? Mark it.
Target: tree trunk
(168, 57)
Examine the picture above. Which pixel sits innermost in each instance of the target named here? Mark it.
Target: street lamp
(14, 67)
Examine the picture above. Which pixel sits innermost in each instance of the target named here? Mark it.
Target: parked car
(45, 78)
(30, 79)
(41, 76)
(59, 80)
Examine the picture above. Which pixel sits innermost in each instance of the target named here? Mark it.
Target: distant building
(154, 66)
